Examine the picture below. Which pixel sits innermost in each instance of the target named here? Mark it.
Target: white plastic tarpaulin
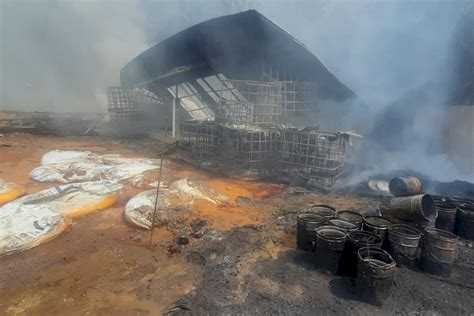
(76, 199)
(67, 166)
(26, 226)
(181, 193)
(139, 209)
(36, 218)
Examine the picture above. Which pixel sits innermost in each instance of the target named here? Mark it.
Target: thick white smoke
(60, 55)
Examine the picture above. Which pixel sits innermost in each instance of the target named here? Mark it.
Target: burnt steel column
(175, 104)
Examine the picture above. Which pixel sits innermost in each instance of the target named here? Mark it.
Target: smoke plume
(399, 57)
(60, 55)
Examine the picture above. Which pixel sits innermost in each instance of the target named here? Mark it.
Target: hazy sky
(59, 55)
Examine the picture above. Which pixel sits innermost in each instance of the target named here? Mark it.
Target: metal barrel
(439, 251)
(405, 186)
(346, 226)
(418, 208)
(305, 225)
(351, 217)
(329, 245)
(375, 275)
(355, 241)
(323, 210)
(377, 225)
(446, 216)
(402, 243)
(465, 221)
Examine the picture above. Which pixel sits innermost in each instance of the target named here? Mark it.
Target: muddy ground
(243, 261)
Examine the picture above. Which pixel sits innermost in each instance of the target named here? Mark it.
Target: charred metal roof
(237, 46)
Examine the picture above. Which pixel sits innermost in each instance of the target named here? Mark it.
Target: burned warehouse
(243, 96)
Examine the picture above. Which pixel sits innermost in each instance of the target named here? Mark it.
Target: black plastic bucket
(377, 225)
(323, 210)
(329, 245)
(355, 241)
(465, 221)
(306, 223)
(345, 226)
(402, 243)
(440, 250)
(351, 217)
(446, 216)
(375, 274)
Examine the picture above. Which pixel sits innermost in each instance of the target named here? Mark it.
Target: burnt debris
(243, 96)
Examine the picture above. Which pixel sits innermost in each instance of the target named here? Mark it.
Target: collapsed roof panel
(237, 46)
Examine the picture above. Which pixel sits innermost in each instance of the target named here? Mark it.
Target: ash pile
(243, 97)
(415, 230)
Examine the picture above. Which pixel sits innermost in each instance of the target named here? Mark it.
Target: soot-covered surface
(241, 275)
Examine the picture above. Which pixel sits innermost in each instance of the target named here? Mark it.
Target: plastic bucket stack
(355, 241)
(306, 223)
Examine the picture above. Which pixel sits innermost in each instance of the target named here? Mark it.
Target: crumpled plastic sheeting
(65, 156)
(76, 199)
(36, 218)
(139, 209)
(26, 226)
(72, 172)
(75, 166)
(9, 191)
(131, 169)
(188, 188)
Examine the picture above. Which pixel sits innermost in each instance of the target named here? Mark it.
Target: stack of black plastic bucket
(369, 248)
(306, 223)
(419, 231)
(340, 246)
